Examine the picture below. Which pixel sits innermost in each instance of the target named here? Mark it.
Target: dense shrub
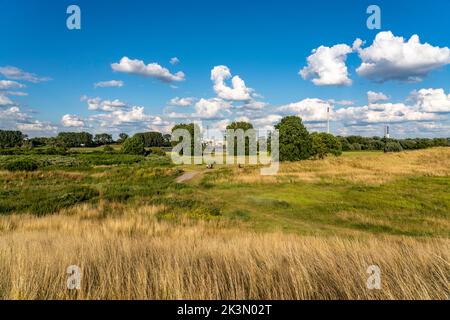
(294, 140)
(108, 149)
(324, 144)
(157, 151)
(393, 147)
(22, 165)
(133, 145)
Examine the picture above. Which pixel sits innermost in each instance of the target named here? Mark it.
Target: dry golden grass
(126, 253)
(373, 168)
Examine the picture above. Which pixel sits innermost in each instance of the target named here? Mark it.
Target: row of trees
(11, 139)
(295, 142)
(357, 143)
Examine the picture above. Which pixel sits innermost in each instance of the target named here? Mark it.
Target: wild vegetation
(308, 233)
(123, 215)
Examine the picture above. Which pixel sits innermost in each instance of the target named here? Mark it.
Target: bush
(108, 149)
(355, 147)
(133, 145)
(393, 147)
(324, 144)
(157, 151)
(22, 165)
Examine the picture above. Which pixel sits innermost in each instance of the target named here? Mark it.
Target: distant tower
(386, 132)
(328, 119)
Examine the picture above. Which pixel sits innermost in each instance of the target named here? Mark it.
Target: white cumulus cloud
(103, 105)
(326, 66)
(431, 100)
(395, 58)
(238, 91)
(182, 102)
(211, 108)
(310, 109)
(154, 70)
(376, 96)
(70, 120)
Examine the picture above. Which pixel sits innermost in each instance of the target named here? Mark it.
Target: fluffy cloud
(15, 119)
(13, 114)
(103, 105)
(119, 117)
(15, 73)
(326, 66)
(431, 100)
(37, 126)
(393, 58)
(382, 113)
(173, 61)
(8, 84)
(70, 120)
(154, 70)
(238, 90)
(111, 83)
(266, 122)
(182, 102)
(312, 110)
(376, 96)
(211, 108)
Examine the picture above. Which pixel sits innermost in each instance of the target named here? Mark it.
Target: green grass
(410, 205)
(402, 207)
(65, 181)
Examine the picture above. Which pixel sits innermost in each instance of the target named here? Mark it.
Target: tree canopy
(294, 140)
(244, 126)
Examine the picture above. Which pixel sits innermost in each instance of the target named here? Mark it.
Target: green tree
(74, 139)
(133, 145)
(191, 128)
(167, 140)
(151, 139)
(294, 140)
(244, 126)
(10, 139)
(324, 144)
(103, 139)
(122, 138)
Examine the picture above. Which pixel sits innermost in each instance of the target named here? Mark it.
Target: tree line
(295, 142)
(11, 139)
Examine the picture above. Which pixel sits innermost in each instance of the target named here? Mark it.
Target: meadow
(309, 232)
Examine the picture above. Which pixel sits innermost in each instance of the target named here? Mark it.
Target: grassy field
(308, 233)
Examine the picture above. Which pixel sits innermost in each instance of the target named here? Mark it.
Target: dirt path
(187, 176)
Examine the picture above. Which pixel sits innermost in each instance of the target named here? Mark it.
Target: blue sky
(263, 43)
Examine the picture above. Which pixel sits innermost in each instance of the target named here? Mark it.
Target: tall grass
(127, 253)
